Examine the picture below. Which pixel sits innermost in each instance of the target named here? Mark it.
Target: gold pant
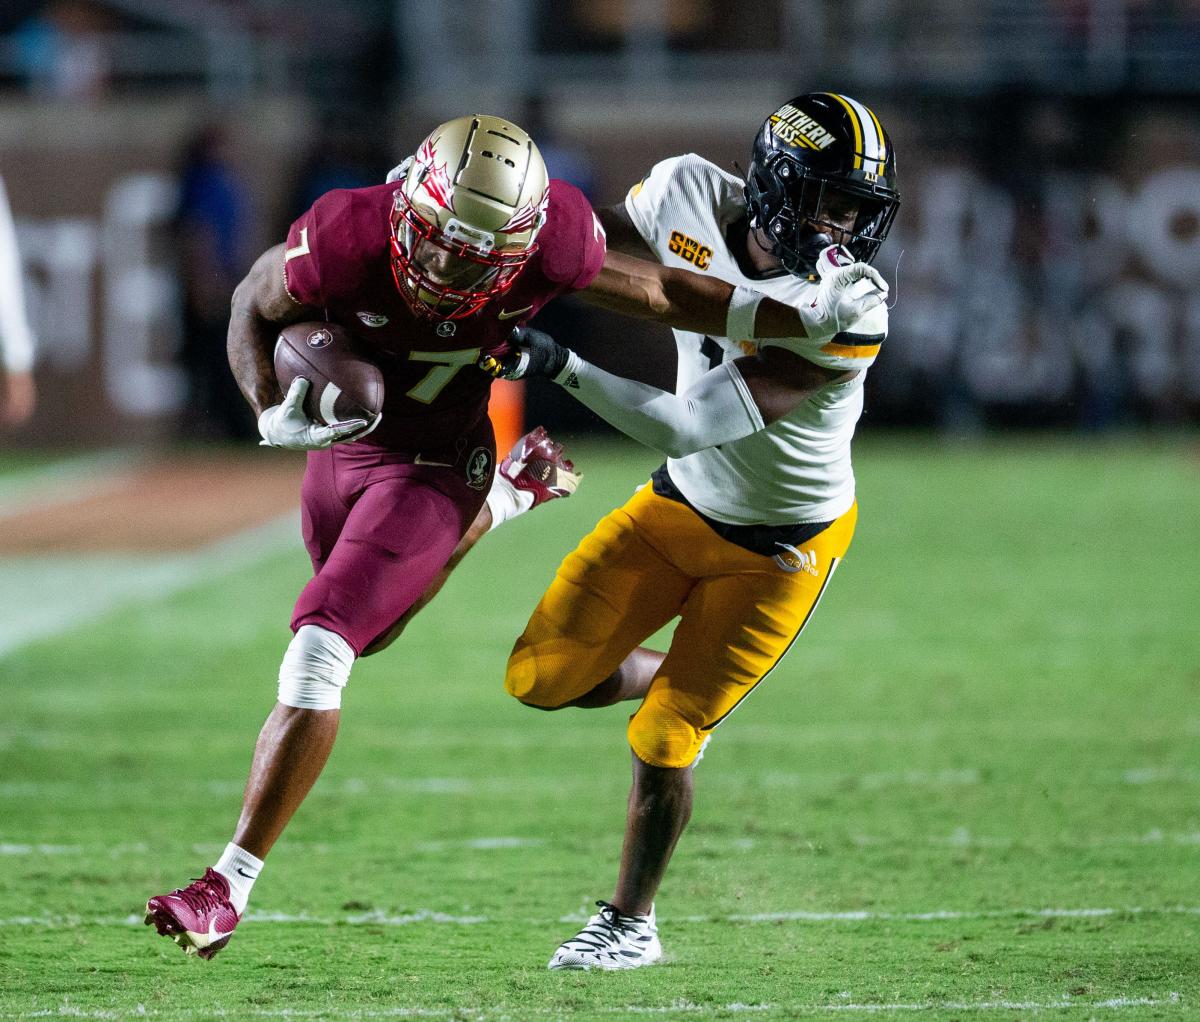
(644, 564)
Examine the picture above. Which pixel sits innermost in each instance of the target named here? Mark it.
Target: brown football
(346, 384)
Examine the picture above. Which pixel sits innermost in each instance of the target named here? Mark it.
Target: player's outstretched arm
(727, 403)
(621, 233)
(261, 305)
(707, 305)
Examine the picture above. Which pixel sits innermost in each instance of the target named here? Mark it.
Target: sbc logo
(690, 250)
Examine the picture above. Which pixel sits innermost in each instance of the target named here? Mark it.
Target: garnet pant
(380, 524)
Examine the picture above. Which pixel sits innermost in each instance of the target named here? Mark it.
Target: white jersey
(798, 468)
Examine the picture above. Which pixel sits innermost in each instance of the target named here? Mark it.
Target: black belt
(758, 539)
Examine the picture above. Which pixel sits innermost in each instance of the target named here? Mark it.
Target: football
(346, 384)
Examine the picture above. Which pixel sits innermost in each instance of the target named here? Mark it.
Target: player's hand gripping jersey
(798, 468)
(337, 260)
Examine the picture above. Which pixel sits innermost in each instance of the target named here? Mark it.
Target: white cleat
(611, 940)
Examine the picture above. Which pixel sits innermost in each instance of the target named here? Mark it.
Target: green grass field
(970, 790)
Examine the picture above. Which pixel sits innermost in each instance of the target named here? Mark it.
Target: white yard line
(59, 594)
(1159, 775)
(233, 554)
(956, 839)
(680, 1007)
(381, 917)
(1112, 1004)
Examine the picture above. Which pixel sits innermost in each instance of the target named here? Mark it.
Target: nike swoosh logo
(249, 876)
(214, 934)
(505, 314)
(418, 460)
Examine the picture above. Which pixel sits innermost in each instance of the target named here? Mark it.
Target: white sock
(241, 869)
(505, 501)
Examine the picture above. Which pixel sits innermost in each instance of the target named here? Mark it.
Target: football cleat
(536, 465)
(200, 917)
(611, 940)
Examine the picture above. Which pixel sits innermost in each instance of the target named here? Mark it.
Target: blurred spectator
(564, 160)
(343, 154)
(212, 224)
(606, 25)
(18, 394)
(63, 53)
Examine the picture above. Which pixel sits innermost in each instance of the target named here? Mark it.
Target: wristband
(743, 304)
(567, 376)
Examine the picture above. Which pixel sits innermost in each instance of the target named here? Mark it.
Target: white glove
(286, 425)
(833, 309)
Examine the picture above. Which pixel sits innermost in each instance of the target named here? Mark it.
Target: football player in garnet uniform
(433, 271)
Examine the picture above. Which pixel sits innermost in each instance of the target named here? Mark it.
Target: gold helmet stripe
(868, 133)
(882, 139)
(872, 134)
(858, 131)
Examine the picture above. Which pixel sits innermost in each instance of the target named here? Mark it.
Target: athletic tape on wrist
(739, 321)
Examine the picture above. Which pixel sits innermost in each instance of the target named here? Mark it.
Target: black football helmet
(816, 144)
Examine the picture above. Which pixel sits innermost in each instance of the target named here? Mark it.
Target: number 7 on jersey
(446, 365)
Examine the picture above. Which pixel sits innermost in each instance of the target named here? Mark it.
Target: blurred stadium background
(971, 789)
(1049, 158)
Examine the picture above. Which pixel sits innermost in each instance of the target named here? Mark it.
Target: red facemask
(443, 278)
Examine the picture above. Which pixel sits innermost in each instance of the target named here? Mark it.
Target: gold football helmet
(466, 215)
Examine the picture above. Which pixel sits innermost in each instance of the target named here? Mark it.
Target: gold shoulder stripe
(863, 340)
(851, 350)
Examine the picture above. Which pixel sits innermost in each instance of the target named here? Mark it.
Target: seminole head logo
(479, 469)
(320, 338)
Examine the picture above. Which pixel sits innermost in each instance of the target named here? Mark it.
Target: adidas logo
(792, 560)
(571, 381)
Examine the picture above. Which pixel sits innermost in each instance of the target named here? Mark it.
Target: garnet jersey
(338, 260)
(798, 468)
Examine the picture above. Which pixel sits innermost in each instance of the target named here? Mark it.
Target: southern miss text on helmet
(809, 148)
(466, 214)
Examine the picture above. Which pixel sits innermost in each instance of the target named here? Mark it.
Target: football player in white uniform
(740, 531)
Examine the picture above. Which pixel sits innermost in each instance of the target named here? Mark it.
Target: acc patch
(479, 469)
(372, 318)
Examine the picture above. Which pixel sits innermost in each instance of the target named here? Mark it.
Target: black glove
(536, 354)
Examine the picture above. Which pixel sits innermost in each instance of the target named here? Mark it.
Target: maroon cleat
(536, 465)
(199, 917)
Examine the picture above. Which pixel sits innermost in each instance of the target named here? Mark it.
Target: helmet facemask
(449, 272)
(789, 205)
